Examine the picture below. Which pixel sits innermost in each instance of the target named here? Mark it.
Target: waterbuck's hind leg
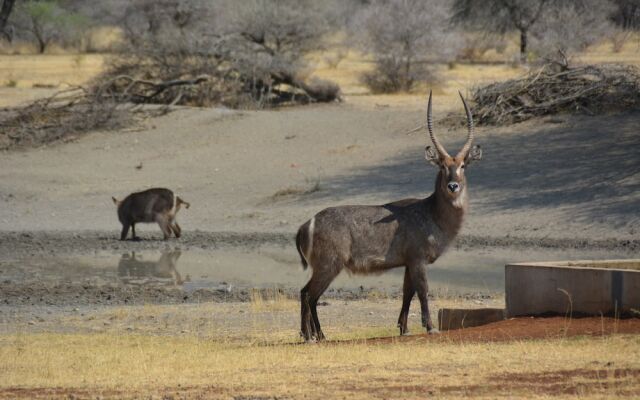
(408, 291)
(318, 286)
(305, 314)
(309, 296)
(418, 274)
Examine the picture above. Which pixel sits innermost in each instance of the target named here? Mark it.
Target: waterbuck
(370, 239)
(152, 205)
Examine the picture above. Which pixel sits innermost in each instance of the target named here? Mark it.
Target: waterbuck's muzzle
(454, 187)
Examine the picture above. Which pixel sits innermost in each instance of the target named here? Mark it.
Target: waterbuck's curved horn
(439, 147)
(467, 145)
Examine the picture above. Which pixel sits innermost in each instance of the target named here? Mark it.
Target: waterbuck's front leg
(418, 274)
(408, 291)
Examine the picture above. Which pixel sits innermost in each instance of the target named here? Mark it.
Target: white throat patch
(460, 200)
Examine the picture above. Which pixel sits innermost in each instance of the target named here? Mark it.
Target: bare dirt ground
(530, 328)
(269, 171)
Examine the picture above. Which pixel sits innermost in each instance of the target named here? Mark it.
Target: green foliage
(48, 20)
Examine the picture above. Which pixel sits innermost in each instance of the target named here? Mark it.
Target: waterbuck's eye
(463, 166)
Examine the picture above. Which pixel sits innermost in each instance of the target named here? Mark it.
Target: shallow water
(270, 266)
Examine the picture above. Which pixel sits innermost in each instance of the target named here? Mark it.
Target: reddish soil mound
(527, 328)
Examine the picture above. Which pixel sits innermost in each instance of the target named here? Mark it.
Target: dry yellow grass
(131, 365)
(603, 52)
(338, 63)
(272, 300)
(49, 70)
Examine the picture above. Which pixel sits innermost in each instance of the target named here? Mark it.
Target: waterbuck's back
(146, 205)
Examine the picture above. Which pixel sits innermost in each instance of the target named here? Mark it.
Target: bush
(391, 75)
(400, 34)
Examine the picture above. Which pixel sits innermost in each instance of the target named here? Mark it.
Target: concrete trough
(587, 287)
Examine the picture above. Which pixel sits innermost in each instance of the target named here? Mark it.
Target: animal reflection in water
(132, 269)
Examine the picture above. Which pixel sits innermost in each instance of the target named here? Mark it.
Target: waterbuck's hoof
(433, 331)
(136, 238)
(404, 332)
(309, 339)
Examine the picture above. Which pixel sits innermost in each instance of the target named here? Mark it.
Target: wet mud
(94, 268)
(18, 244)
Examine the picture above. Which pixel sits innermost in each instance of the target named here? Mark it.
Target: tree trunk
(523, 46)
(407, 75)
(5, 12)
(42, 42)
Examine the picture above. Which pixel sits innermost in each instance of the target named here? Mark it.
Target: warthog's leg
(165, 226)
(408, 291)
(176, 229)
(125, 231)
(419, 278)
(133, 232)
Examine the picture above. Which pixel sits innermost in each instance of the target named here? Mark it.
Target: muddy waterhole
(459, 272)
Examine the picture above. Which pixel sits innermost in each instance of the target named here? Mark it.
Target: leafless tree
(571, 26)
(5, 12)
(558, 24)
(402, 35)
(626, 17)
(501, 16)
(285, 28)
(144, 20)
(626, 14)
(46, 21)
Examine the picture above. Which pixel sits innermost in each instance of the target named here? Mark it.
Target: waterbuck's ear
(475, 154)
(431, 155)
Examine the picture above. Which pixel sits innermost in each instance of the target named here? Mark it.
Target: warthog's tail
(180, 201)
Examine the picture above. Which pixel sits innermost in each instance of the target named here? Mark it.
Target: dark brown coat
(369, 239)
(153, 205)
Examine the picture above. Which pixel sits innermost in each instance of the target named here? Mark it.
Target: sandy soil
(269, 171)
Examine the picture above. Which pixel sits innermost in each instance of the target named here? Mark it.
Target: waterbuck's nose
(453, 187)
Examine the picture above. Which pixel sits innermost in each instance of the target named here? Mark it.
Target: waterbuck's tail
(302, 243)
